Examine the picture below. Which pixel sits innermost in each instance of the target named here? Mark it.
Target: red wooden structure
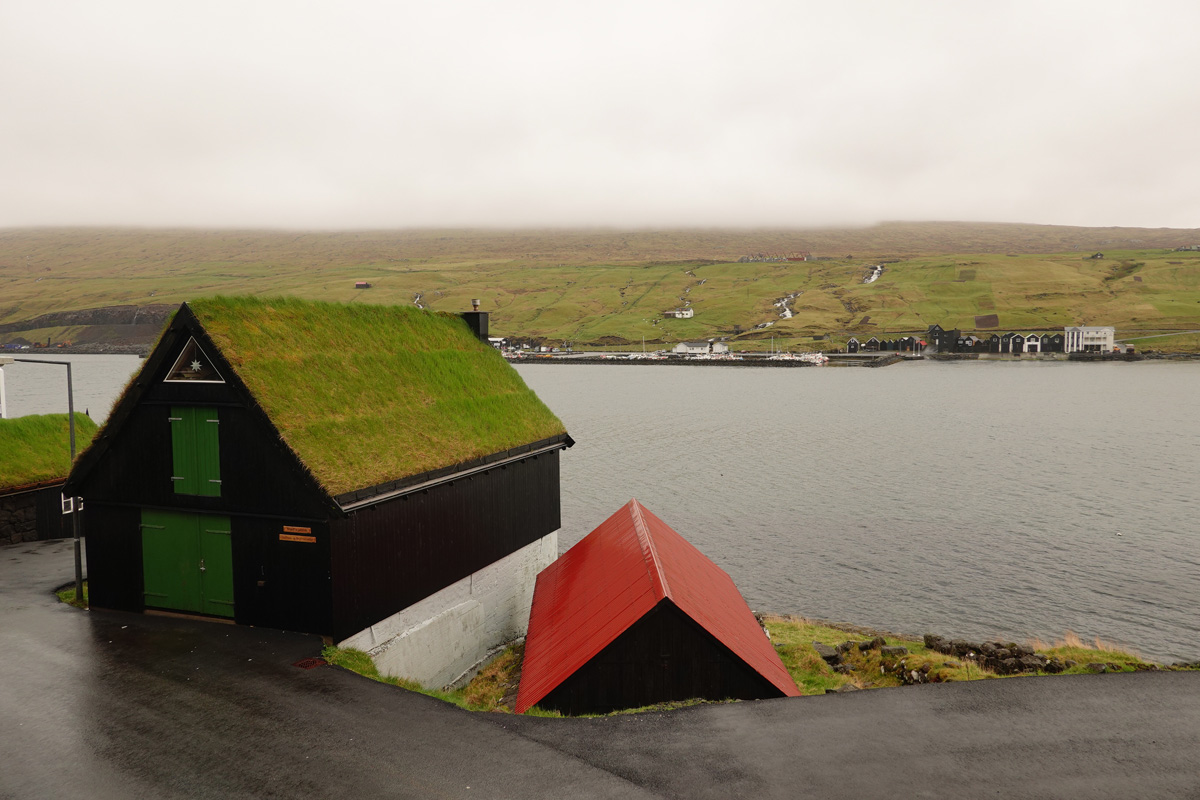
(633, 615)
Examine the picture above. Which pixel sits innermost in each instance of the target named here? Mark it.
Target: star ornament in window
(193, 366)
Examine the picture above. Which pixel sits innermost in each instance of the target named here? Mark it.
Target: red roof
(611, 579)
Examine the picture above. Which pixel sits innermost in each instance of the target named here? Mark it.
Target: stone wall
(31, 516)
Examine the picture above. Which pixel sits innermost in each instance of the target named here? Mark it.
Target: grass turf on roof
(38, 447)
(368, 394)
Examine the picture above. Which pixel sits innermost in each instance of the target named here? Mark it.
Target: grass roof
(368, 394)
(38, 447)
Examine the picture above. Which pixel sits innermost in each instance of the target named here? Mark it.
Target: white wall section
(439, 639)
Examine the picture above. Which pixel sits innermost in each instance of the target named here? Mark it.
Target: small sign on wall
(292, 533)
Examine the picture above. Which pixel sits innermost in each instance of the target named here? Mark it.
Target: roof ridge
(649, 551)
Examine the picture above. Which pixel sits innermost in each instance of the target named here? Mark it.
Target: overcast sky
(550, 112)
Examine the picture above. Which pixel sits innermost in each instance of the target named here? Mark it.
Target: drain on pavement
(309, 663)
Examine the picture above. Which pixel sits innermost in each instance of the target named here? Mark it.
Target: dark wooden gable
(665, 656)
(130, 461)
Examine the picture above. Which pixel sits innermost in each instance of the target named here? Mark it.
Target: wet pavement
(106, 704)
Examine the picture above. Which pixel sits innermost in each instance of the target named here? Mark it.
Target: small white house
(680, 313)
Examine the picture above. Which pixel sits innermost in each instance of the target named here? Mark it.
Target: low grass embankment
(495, 687)
(873, 668)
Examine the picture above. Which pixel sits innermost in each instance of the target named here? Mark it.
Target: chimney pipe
(477, 321)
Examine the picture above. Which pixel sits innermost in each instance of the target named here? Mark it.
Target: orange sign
(291, 537)
(294, 529)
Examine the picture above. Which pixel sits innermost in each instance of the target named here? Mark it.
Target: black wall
(388, 556)
(664, 656)
(114, 556)
(277, 584)
(258, 474)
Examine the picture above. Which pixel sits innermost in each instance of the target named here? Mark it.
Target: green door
(187, 562)
(216, 565)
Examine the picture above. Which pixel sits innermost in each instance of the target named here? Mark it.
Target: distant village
(1076, 339)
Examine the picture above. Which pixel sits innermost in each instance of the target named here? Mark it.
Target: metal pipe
(3, 407)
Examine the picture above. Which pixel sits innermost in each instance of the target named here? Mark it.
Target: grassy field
(612, 287)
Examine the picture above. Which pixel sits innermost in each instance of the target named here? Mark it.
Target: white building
(680, 313)
(700, 348)
(1085, 339)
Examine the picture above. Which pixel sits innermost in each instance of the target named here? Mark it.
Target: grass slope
(495, 687)
(38, 447)
(368, 394)
(612, 286)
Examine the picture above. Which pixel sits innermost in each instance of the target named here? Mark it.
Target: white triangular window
(193, 366)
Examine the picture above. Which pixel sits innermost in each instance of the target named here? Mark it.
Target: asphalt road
(105, 704)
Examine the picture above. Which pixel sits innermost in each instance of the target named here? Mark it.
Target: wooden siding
(258, 474)
(114, 556)
(388, 556)
(664, 656)
(276, 583)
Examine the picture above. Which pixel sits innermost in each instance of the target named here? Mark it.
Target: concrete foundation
(448, 634)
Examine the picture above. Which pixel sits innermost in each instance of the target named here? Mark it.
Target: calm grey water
(42, 388)
(965, 498)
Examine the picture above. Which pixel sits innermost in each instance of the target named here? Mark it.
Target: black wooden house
(314, 467)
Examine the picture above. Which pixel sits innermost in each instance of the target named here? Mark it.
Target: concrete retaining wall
(446, 636)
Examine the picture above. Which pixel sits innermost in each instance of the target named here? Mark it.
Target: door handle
(202, 567)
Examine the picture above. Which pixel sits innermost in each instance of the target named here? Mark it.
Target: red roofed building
(633, 615)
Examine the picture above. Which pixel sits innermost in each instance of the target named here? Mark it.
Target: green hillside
(612, 287)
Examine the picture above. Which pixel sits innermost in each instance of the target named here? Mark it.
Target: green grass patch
(493, 689)
(793, 638)
(1164, 342)
(67, 595)
(1072, 648)
(37, 448)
